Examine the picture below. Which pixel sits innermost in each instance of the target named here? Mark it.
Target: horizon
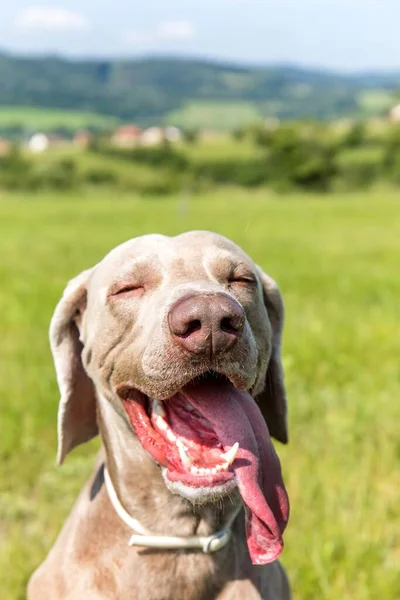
(206, 59)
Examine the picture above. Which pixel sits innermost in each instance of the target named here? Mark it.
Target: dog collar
(142, 537)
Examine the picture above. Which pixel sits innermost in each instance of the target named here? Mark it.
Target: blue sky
(337, 34)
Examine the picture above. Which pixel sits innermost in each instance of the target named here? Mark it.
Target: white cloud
(50, 18)
(176, 30)
(168, 31)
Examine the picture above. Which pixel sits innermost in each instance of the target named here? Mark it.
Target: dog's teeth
(230, 456)
(206, 471)
(158, 408)
(185, 458)
(161, 424)
(170, 436)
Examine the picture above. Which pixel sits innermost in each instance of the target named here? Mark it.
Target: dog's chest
(170, 577)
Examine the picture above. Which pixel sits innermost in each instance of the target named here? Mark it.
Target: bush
(358, 175)
(15, 170)
(191, 136)
(162, 155)
(60, 175)
(356, 137)
(300, 160)
(390, 161)
(100, 176)
(248, 173)
(238, 134)
(359, 168)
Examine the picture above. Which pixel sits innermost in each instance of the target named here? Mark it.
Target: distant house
(152, 136)
(39, 142)
(126, 136)
(83, 138)
(5, 147)
(394, 114)
(172, 134)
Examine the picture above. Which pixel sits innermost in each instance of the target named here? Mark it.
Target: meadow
(50, 119)
(337, 261)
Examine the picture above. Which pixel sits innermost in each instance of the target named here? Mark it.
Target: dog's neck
(141, 489)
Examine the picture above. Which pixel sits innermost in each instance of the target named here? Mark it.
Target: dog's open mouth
(179, 437)
(209, 434)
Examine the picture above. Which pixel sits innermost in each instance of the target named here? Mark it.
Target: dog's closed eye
(242, 276)
(125, 290)
(243, 280)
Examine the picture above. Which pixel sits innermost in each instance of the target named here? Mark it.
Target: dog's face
(178, 335)
(163, 311)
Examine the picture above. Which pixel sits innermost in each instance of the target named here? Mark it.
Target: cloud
(48, 18)
(168, 31)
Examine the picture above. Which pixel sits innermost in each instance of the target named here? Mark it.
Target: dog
(170, 349)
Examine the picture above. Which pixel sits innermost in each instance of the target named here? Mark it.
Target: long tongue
(236, 418)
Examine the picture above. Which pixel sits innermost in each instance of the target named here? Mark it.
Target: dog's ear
(77, 410)
(272, 400)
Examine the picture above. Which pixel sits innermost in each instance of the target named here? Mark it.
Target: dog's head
(179, 335)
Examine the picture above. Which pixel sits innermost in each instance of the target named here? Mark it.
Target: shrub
(238, 134)
(191, 136)
(356, 137)
(247, 173)
(300, 160)
(15, 170)
(359, 168)
(100, 176)
(160, 156)
(60, 175)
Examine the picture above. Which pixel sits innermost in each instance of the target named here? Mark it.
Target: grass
(219, 115)
(222, 148)
(48, 119)
(374, 102)
(337, 261)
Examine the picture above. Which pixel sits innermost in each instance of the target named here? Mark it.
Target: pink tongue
(236, 418)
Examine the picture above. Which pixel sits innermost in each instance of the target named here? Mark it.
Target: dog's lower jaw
(200, 495)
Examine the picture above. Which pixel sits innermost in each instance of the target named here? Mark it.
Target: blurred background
(274, 122)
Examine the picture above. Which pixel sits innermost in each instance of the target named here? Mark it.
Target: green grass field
(337, 261)
(48, 119)
(222, 116)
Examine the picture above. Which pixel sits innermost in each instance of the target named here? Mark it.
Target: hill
(152, 90)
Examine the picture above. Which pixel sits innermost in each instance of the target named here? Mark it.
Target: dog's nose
(206, 323)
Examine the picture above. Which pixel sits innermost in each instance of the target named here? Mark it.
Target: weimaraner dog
(170, 349)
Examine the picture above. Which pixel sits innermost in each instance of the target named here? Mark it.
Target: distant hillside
(182, 91)
(50, 119)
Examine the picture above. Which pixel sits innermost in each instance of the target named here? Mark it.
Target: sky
(344, 35)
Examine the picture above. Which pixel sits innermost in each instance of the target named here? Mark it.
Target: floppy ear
(77, 409)
(272, 400)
